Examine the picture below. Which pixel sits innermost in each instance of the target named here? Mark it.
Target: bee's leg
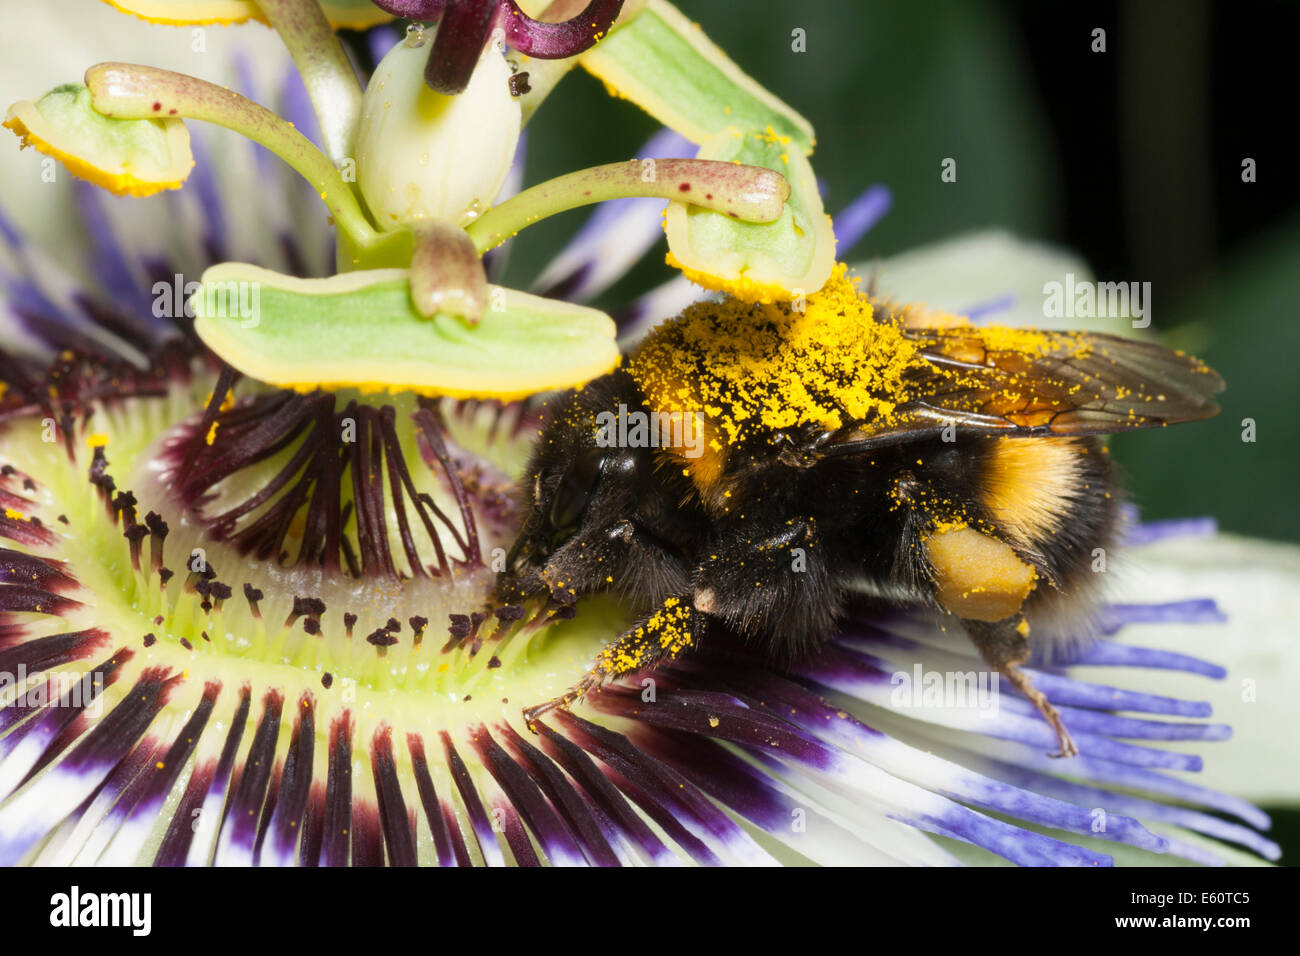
(774, 588)
(985, 583)
(1004, 645)
(663, 635)
(590, 681)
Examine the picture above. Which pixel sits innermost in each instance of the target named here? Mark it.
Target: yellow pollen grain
(744, 288)
(767, 366)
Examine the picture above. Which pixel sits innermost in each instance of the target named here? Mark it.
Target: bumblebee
(751, 465)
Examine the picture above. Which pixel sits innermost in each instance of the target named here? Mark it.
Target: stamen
(220, 594)
(418, 624)
(305, 607)
(143, 92)
(749, 193)
(157, 535)
(136, 535)
(253, 596)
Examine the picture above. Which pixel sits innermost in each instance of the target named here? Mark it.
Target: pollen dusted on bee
(761, 366)
(665, 634)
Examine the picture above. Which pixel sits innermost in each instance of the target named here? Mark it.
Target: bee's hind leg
(1004, 645)
(591, 680)
(662, 635)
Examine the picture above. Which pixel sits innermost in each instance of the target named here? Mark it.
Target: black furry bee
(752, 464)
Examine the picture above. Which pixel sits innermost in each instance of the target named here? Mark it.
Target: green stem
(127, 91)
(330, 80)
(751, 193)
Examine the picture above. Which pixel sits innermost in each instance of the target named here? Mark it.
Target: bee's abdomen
(1054, 498)
(991, 526)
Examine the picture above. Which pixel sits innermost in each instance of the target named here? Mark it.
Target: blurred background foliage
(1131, 158)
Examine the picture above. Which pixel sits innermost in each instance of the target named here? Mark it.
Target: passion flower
(243, 624)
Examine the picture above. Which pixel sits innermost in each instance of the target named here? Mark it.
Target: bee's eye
(575, 490)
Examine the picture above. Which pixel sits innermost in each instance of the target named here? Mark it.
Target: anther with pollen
(381, 639)
(203, 588)
(157, 535)
(100, 478)
(199, 570)
(253, 595)
(459, 628)
(220, 594)
(124, 507)
(386, 636)
(418, 624)
(135, 536)
(305, 607)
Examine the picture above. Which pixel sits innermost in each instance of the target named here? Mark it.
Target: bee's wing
(1029, 383)
(1068, 383)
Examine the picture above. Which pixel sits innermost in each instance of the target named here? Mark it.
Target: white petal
(981, 269)
(60, 39)
(1257, 585)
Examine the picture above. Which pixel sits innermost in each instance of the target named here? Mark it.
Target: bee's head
(578, 485)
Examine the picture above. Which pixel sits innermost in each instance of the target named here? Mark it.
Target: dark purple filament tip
(465, 26)
(555, 41)
(462, 34)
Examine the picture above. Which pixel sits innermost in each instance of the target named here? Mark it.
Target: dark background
(1131, 158)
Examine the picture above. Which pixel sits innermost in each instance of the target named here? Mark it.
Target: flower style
(465, 26)
(250, 624)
